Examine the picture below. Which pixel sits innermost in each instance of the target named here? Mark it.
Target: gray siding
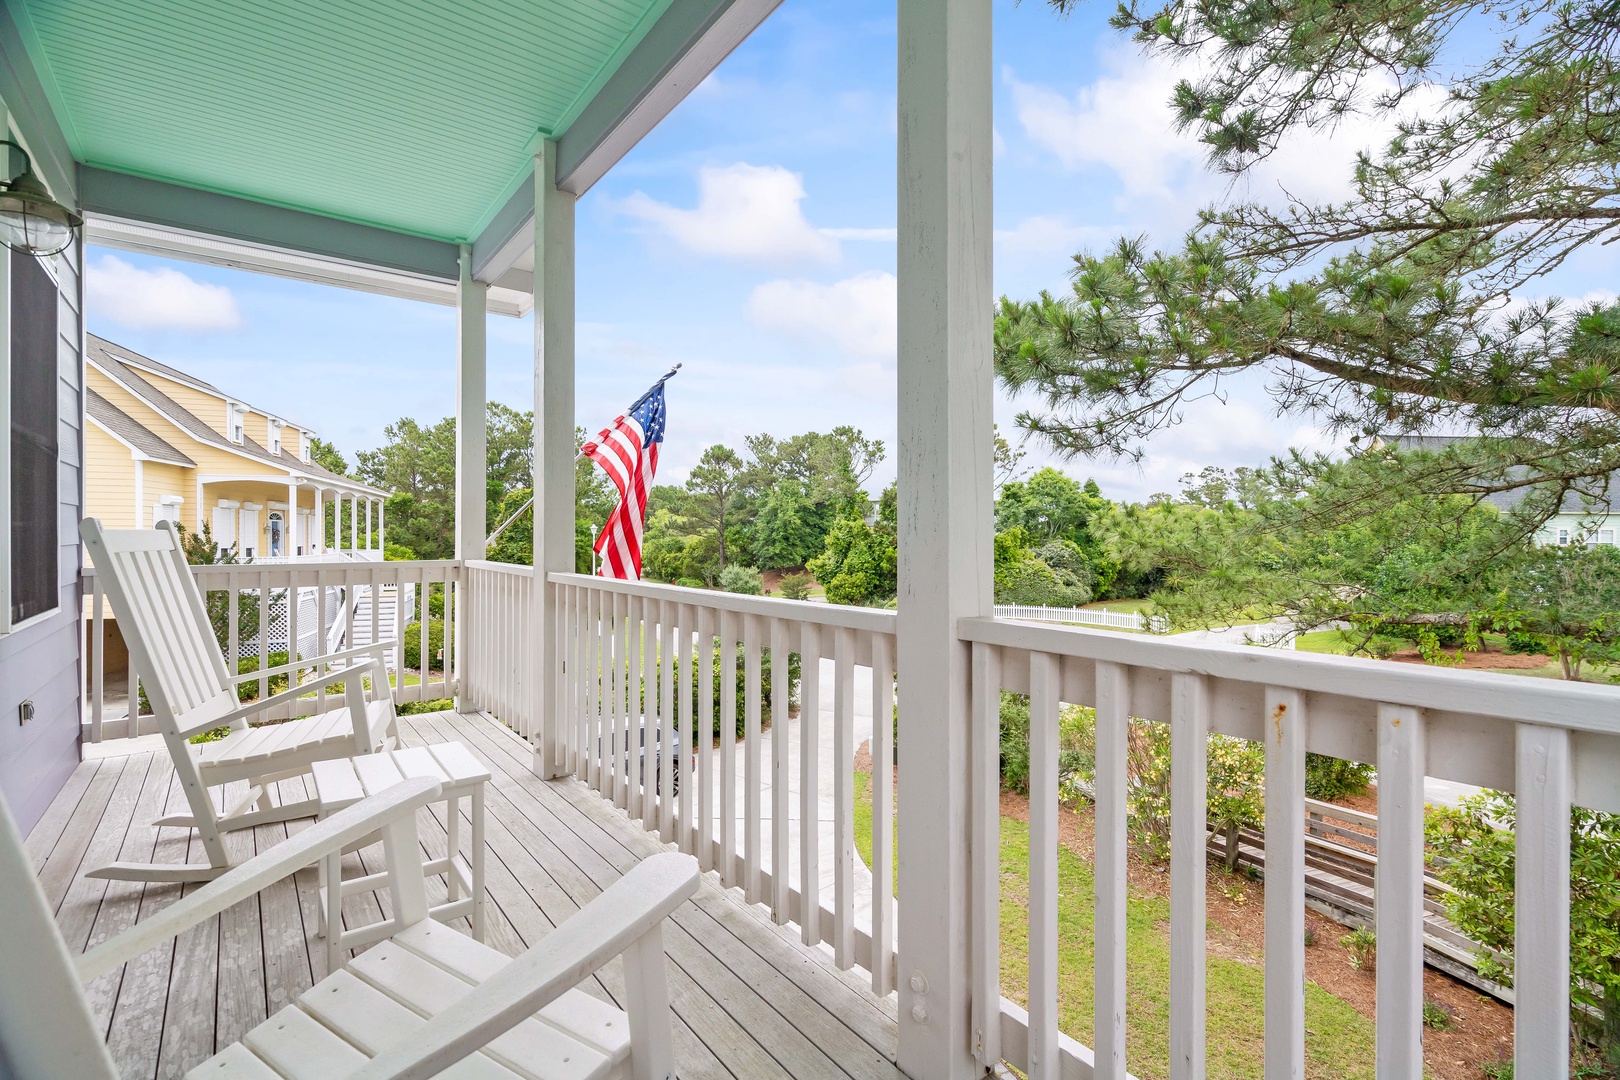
(41, 663)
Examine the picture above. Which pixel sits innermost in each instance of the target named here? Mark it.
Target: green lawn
(1339, 1040)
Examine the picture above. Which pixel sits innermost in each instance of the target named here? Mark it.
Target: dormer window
(236, 422)
(274, 433)
(304, 439)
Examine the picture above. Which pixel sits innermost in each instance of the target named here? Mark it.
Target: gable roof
(107, 358)
(129, 431)
(1572, 503)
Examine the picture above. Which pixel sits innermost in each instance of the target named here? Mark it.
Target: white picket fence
(1115, 620)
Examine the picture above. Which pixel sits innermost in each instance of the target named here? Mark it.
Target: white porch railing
(1554, 744)
(496, 660)
(632, 652)
(287, 595)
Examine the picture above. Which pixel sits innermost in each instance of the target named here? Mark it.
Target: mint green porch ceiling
(411, 115)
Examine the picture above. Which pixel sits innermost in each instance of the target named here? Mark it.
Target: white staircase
(352, 623)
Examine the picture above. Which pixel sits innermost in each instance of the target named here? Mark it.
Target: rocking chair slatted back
(168, 633)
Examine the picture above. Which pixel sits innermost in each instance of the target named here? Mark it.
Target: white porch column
(382, 535)
(370, 503)
(472, 458)
(289, 528)
(337, 521)
(553, 444)
(354, 523)
(945, 511)
(317, 524)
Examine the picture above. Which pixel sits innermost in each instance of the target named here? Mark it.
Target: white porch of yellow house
(572, 664)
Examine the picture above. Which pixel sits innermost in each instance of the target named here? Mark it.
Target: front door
(277, 539)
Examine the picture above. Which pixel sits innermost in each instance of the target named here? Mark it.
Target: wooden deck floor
(750, 1001)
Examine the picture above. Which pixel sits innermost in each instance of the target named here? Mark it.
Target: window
(274, 434)
(1563, 537)
(1606, 536)
(304, 439)
(30, 402)
(235, 422)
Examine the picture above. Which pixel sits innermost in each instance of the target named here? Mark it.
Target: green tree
(1415, 304)
(786, 531)
(858, 565)
(1567, 598)
(737, 578)
(417, 464)
(326, 456)
(712, 489)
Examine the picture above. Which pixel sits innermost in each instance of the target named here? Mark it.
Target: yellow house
(163, 445)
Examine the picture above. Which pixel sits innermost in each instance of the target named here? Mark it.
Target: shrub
(1362, 944)
(858, 564)
(1436, 1015)
(691, 583)
(796, 586)
(413, 645)
(737, 578)
(1473, 849)
(249, 691)
(1520, 642)
(1031, 581)
(1333, 778)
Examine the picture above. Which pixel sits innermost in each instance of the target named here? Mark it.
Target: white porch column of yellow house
(317, 524)
(382, 534)
(289, 529)
(553, 443)
(369, 508)
(945, 510)
(471, 456)
(354, 523)
(337, 521)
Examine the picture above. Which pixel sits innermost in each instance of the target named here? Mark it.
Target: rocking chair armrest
(373, 650)
(292, 693)
(306, 848)
(609, 925)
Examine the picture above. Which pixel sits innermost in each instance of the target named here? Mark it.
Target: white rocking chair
(164, 622)
(427, 1001)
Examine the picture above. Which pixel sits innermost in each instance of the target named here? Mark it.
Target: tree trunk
(1231, 846)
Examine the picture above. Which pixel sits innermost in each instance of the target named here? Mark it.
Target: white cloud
(1123, 122)
(886, 236)
(1041, 234)
(159, 298)
(743, 211)
(857, 316)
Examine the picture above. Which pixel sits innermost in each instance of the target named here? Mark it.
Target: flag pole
(668, 375)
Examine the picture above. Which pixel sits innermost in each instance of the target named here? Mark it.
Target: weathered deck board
(749, 1000)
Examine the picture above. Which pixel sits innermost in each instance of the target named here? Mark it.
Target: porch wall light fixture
(30, 220)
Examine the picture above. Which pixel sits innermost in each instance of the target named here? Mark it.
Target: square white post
(317, 524)
(337, 521)
(945, 396)
(472, 459)
(369, 504)
(553, 447)
(382, 534)
(354, 523)
(289, 527)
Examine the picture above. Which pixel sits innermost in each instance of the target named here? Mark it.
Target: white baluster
(882, 816)
(1284, 729)
(1402, 762)
(1043, 864)
(810, 784)
(1189, 844)
(1541, 902)
(844, 799)
(781, 744)
(1113, 735)
(985, 839)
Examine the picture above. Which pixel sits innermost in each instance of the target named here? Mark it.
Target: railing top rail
(516, 569)
(1575, 706)
(305, 567)
(869, 620)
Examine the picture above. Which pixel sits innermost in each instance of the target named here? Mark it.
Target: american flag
(627, 450)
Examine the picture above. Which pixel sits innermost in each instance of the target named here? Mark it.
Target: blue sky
(750, 238)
